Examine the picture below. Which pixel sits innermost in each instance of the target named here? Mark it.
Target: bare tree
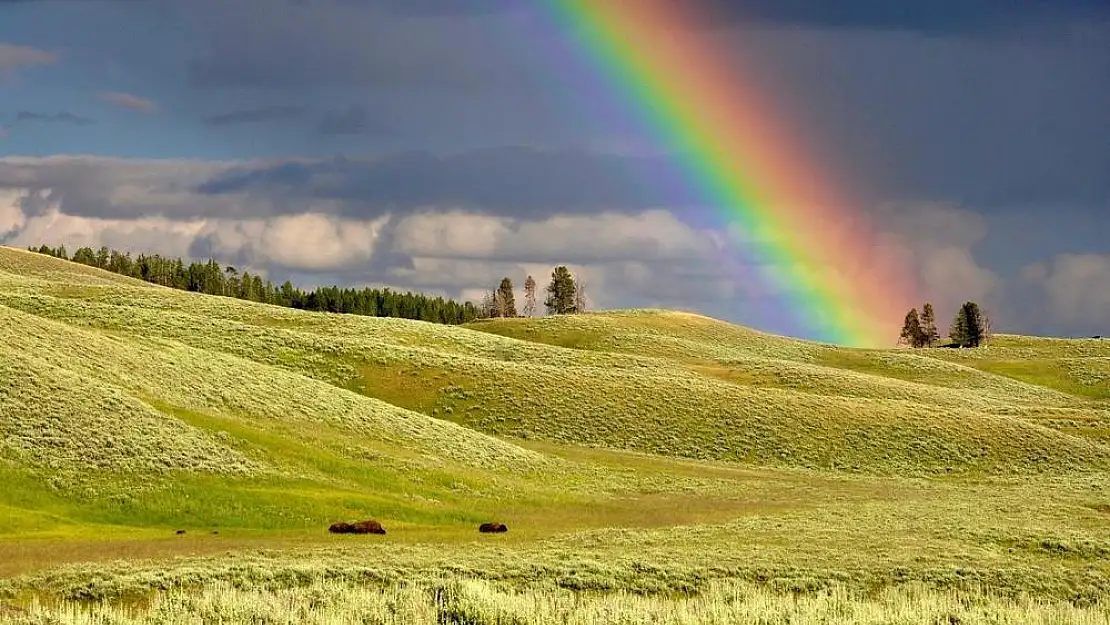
(579, 296)
(487, 308)
(529, 297)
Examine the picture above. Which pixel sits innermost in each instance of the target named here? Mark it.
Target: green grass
(642, 451)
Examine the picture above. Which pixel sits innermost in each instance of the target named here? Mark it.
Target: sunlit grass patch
(481, 602)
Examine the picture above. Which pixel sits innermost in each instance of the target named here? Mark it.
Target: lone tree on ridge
(912, 334)
(561, 292)
(929, 326)
(969, 328)
(507, 302)
(529, 296)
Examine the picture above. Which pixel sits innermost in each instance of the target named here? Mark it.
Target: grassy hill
(129, 410)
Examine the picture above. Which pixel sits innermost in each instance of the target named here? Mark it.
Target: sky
(438, 145)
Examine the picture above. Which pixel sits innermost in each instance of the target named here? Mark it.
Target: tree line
(213, 279)
(565, 296)
(970, 327)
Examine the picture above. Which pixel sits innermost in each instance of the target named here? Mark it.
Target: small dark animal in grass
(361, 527)
(492, 528)
(340, 528)
(180, 532)
(367, 527)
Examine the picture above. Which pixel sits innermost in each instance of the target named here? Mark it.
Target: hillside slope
(665, 383)
(134, 429)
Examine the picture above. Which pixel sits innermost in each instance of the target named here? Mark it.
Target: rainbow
(839, 281)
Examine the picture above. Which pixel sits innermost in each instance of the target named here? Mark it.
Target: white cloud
(151, 234)
(451, 234)
(951, 276)
(11, 213)
(938, 240)
(620, 258)
(654, 234)
(318, 242)
(1074, 291)
(308, 242)
(13, 58)
(129, 101)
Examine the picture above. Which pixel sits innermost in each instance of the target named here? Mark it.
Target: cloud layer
(646, 256)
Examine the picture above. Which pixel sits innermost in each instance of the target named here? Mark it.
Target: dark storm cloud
(996, 126)
(443, 7)
(346, 43)
(247, 116)
(932, 16)
(353, 120)
(521, 182)
(515, 182)
(64, 117)
(936, 17)
(117, 188)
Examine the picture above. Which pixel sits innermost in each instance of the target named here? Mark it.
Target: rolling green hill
(130, 410)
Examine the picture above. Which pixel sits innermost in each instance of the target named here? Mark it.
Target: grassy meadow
(652, 466)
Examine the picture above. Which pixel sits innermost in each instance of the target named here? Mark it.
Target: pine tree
(212, 279)
(968, 328)
(85, 256)
(929, 325)
(529, 296)
(911, 329)
(958, 330)
(560, 292)
(500, 307)
(507, 300)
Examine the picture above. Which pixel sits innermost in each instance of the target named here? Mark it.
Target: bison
(367, 527)
(360, 527)
(492, 528)
(340, 528)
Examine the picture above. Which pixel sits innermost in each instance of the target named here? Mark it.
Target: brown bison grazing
(361, 527)
(492, 528)
(340, 528)
(367, 527)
